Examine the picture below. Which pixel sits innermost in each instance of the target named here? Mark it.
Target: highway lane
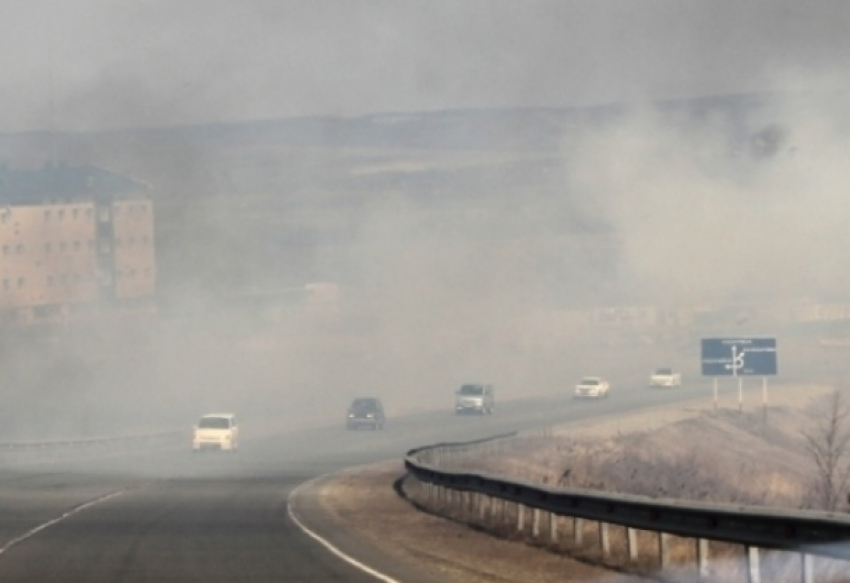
(230, 529)
(179, 516)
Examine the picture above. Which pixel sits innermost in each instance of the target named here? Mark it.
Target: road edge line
(290, 510)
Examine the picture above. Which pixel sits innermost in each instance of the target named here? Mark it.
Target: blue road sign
(730, 357)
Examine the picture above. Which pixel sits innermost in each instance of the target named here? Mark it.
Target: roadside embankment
(691, 450)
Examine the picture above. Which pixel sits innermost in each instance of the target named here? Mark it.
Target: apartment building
(73, 238)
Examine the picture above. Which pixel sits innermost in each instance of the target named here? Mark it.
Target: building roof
(54, 183)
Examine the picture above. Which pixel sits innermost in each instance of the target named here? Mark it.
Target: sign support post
(764, 397)
(740, 394)
(715, 393)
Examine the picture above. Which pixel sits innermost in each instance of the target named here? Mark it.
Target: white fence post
(664, 549)
(807, 568)
(753, 565)
(520, 520)
(604, 540)
(535, 523)
(702, 557)
(578, 530)
(553, 527)
(631, 543)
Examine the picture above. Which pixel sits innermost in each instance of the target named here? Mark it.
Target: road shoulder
(362, 514)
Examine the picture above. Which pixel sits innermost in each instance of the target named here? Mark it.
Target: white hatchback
(665, 377)
(216, 431)
(592, 387)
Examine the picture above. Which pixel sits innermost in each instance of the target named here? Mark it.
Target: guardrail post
(535, 523)
(553, 527)
(631, 543)
(807, 568)
(753, 565)
(604, 540)
(664, 549)
(578, 530)
(520, 520)
(702, 557)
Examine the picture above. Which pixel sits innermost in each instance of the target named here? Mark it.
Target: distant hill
(459, 129)
(267, 197)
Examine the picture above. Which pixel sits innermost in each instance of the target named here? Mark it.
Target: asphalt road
(164, 514)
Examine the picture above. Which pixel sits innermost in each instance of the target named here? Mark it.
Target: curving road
(162, 515)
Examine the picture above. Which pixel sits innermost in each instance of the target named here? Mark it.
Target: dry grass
(364, 501)
(721, 456)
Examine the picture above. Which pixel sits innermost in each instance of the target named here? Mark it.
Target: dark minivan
(365, 412)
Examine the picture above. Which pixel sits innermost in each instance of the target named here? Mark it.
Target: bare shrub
(827, 441)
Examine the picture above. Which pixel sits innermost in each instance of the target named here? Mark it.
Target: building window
(21, 282)
(6, 284)
(77, 245)
(62, 246)
(60, 214)
(46, 216)
(76, 212)
(20, 249)
(50, 281)
(64, 278)
(90, 244)
(5, 249)
(4, 217)
(48, 247)
(89, 214)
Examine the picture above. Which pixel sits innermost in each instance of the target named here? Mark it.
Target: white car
(216, 431)
(592, 387)
(665, 377)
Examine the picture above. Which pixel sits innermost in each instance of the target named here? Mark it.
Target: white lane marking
(325, 543)
(50, 523)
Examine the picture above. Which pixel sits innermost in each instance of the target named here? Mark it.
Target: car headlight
(351, 414)
(369, 415)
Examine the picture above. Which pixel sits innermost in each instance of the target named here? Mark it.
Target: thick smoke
(701, 218)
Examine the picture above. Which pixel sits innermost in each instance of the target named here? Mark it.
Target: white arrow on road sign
(737, 361)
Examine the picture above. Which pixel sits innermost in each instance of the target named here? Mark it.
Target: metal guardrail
(86, 442)
(806, 532)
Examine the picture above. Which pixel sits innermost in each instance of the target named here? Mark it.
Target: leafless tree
(827, 441)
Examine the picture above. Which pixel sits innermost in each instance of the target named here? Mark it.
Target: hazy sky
(134, 63)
